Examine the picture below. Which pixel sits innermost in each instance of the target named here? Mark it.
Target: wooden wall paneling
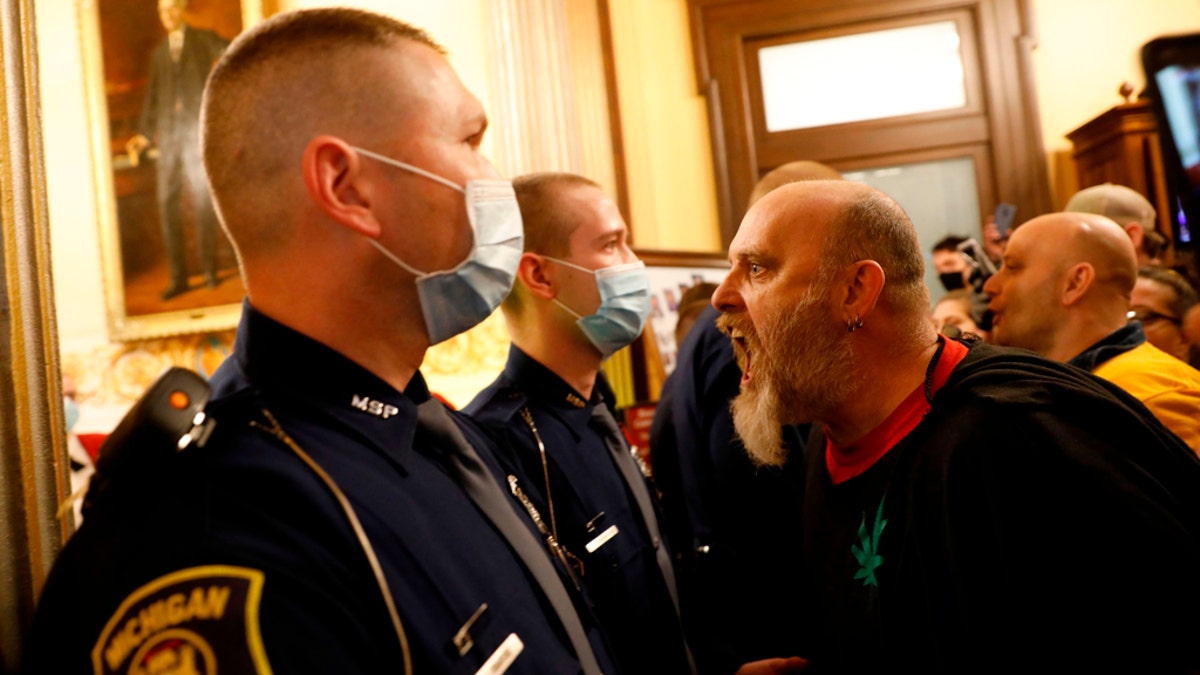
(1121, 146)
(33, 457)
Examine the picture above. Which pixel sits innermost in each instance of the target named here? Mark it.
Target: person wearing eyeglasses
(1064, 292)
(1161, 299)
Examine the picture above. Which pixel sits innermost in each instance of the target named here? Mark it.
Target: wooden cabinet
(1121, 146)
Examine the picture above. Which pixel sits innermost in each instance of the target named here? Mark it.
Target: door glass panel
(843, 79)
(939, 197)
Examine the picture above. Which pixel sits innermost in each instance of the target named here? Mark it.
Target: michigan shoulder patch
(200, 620)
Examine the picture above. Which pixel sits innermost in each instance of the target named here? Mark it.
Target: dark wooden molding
(999, 126)
(614, 112)
(664, 258)
(34, 475)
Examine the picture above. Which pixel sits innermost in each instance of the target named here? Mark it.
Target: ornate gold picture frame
(167, 267)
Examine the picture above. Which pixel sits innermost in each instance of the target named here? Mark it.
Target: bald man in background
(791, 172)
(1064, 292)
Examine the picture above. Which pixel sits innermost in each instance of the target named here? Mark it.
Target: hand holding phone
(1003, 217)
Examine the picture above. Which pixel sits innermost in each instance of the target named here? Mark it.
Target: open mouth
(744, 354)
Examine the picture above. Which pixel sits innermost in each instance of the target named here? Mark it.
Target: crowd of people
(842, 480)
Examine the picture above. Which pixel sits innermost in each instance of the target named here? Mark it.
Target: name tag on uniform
(503, 657)
(601, 539)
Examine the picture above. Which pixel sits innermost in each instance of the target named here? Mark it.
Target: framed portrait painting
(168, 268)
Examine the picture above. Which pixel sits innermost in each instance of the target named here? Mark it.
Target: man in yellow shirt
(1063, 291)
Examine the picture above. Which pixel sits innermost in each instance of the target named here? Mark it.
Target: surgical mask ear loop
(431, 176)
(409, 167)
(560, 303)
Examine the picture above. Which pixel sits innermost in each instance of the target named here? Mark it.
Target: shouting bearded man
(967, 508)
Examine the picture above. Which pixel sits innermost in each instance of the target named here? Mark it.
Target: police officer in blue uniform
(582, 294)
(336, 519)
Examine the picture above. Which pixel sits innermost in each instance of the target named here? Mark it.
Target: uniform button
(703, 550)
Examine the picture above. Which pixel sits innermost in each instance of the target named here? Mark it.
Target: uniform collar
(549, 391)
(285, 364)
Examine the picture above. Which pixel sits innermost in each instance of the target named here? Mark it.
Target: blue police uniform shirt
(597, 517)
(306, 600)
(735, 526)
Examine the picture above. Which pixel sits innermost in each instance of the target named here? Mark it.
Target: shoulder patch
(187, 621)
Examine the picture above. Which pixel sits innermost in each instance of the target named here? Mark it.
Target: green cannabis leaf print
(867, 550)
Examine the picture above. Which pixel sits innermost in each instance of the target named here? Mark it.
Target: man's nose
(990, 286)
(726, 298)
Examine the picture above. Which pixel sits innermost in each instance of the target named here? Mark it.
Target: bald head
(848, 222)
(1064, 285)
(1069, 239)
(1126, 208)
(286, 80)
(792, 172)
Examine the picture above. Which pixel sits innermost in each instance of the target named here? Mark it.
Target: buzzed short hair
(874, 227)
(249, 100)
(547, 228)
(1183, 291)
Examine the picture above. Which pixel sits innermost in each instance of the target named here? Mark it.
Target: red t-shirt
(846, 462)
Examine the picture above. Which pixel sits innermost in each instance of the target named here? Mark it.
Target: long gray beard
(757, 420)
(810, 375)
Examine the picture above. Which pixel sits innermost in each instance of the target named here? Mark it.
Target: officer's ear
(538, 275)
(333, 177)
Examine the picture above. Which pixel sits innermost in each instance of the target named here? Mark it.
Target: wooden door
(993, 120)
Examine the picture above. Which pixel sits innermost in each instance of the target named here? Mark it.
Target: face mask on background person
(455, 300)
(952, 281)
(70, 413)
(624, 305)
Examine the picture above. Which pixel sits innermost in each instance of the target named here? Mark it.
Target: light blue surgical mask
(70, 413)
(624, 305)
(455, 300)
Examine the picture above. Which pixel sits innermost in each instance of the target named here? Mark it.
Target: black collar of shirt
(1114, 344)
(551, 392)
(283, 363)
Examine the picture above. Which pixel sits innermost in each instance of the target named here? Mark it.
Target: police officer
(583, 294)
(338, 519)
